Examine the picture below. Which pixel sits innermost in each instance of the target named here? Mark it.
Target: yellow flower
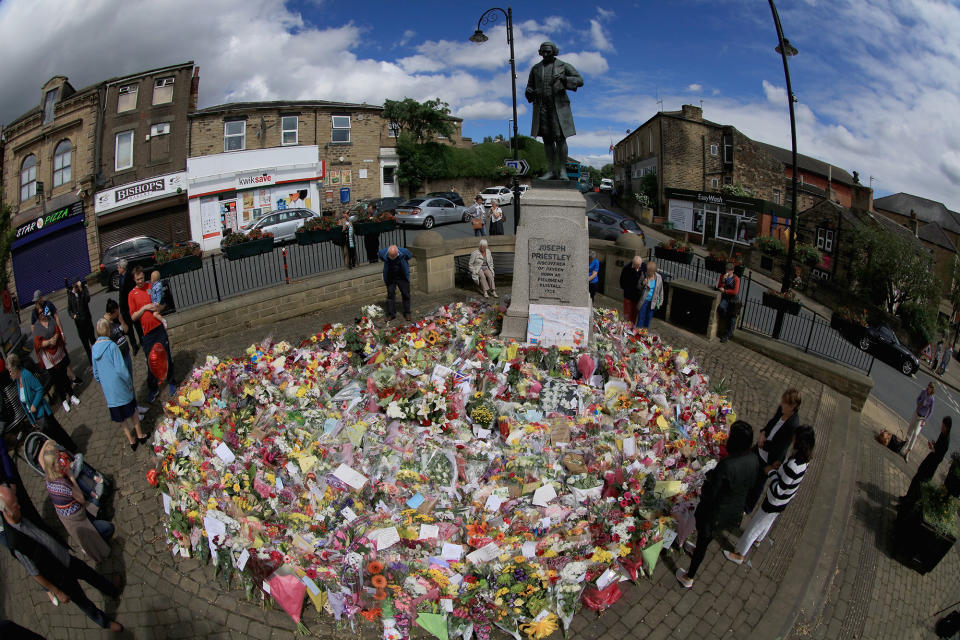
(601, 555)
(518, 559)
(624, 550)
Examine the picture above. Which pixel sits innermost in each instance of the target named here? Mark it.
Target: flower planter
(685, 257)
(781, 304)
(369, 228)
(919, 545)
(317, 236)
(248, 249)
(180, 265)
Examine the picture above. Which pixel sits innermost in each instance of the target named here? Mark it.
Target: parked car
(585, 187)
(427, 212)
(452, 196)
(500, 195)
(136, 251)
(607, 225)
(881, 342)
(606, 184)
(523, 189)
(282, 223)
(381, 204)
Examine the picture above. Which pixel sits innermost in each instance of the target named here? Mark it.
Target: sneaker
(729, 556)
(485, 295)
(683, 579)
(66, 407)
(494, 294)
(74, 400)
(152, 396)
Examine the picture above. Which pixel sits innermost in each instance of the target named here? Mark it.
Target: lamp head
(791, 50)
(479, 37)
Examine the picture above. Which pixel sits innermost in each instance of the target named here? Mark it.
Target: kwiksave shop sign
(74, 210)
(135, 192)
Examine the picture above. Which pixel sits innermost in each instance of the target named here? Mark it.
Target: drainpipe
(101, 108)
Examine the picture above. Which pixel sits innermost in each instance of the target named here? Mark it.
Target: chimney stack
(194, 89)
(862, 198)
(691, 112)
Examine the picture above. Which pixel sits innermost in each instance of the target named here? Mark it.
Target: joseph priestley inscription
(550, 270)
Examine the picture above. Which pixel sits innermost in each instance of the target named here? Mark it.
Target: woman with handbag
(477, 214)
(38, 409)
(52, 355)
(496, 219)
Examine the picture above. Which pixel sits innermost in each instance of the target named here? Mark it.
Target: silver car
(427, 212)
(282, 223)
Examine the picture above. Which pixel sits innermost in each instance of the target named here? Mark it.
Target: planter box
(248, 249)
(766, 262)
(919, 546)
(685, 257)
(180, 265)
(369, 228)
(314, 237)
(780, 304)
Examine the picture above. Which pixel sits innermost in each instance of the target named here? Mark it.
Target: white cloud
(589, 62)
(599, 37)
(489, 110)
(775, 94)
(605, 14)
(407, 36)
(695, 88)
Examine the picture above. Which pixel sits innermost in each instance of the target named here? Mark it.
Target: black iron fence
(219, 278)
(806, 330)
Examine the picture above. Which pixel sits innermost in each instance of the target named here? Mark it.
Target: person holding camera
(78, 304)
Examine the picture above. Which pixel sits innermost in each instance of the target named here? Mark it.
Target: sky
(877, 81)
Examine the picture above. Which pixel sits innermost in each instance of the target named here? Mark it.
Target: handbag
(477, 222)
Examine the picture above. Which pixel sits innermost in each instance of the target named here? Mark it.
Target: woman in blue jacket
(35, 404)
(111, 372)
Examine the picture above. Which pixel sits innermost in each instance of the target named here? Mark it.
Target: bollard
(286, 269)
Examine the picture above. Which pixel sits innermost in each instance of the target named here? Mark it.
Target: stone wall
(756, 169)
(360, 286)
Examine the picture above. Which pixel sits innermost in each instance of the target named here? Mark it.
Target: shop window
(62, 159)
(234, 135)
(123, 158)
(127, 98)
(49, 101)
(28, 178)
(714, 150)
(162, 90)
(288, 127)
(340, 131)
(727, 226)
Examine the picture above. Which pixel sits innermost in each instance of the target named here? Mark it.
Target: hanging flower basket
(781, 303)
(665, 253)
(179, 265)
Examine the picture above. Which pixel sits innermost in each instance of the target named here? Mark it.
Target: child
(156, 295)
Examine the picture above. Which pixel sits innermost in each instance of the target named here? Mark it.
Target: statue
(552, 119)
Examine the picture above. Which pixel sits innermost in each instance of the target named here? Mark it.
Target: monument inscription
(551, 264)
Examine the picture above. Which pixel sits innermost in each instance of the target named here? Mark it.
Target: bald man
(396, 275)
(50, 563)
(629, 279)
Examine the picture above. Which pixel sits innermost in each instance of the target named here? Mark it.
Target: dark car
(452, 196)
(608, 225)
(381, 204)
(137, 251)
(881, 342)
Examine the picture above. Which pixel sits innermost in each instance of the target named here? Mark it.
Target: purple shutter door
(45, 263)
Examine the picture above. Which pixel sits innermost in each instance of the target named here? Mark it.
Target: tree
(955, 287)
(736, 189)
(420, 121)
(606, 171)
(650, 187)
(892, 268)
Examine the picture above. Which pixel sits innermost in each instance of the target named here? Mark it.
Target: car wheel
(428, 222)
(115, 281)
(865, 343)
(907, 367)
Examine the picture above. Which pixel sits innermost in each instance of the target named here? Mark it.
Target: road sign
(520, 166)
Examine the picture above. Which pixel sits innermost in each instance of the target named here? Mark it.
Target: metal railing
(807, 331)
(219, 278)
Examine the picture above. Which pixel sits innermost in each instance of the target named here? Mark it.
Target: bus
(573, 170)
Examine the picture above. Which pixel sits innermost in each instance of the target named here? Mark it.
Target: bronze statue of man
(552, 119)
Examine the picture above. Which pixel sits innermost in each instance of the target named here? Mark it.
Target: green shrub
(770, 246)
(919, 322)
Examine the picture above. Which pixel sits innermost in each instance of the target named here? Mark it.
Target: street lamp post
(489, 16)
(785, 49)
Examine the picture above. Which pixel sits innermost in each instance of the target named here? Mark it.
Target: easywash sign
(253, 180)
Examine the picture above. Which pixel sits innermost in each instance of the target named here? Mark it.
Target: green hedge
(432, 161)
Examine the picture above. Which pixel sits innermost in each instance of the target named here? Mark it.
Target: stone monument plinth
(550, 261)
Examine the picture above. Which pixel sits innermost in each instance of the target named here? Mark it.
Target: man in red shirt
(141, 310)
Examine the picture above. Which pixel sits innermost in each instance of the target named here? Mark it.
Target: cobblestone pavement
(874, 595)
(167, 598)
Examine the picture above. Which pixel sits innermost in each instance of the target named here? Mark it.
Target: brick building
(49, 176)
(691, 154)
(143, 187)
(250, 158)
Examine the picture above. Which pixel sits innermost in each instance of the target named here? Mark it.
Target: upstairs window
(62, 159)
(728, 149)
(714, 150)
(127, 98)
(49, 101)
(234, 135)
(340, 129)
(289, 128)
(28, 178)
(124, 151)
(163, 90)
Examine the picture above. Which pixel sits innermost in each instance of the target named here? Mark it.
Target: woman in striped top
(786, 479)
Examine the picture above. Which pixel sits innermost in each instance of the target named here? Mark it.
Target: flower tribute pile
(437, 476)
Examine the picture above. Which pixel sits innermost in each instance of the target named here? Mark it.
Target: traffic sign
(520, 166)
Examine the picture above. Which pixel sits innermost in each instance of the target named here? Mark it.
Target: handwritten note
(224, 453)
(242, 559)
(350, 476)
(543, 495)
(429, 531)
(384, 538)
(451, 552)
(484, 554)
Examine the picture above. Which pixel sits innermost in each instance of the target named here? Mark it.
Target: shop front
(230, 191)
(716, 215)
(156, 207)
(48, 249)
